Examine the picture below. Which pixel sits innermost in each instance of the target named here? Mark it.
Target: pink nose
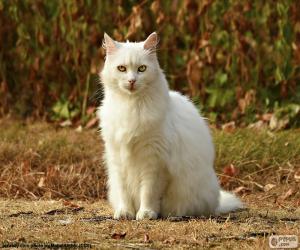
(132, 81)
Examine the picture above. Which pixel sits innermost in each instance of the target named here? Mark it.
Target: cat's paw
(146, 214)
(123, 214)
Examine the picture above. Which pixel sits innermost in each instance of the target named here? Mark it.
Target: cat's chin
(130, 91)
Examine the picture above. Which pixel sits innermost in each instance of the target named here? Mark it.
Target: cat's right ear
(151, 42)
(109, 44)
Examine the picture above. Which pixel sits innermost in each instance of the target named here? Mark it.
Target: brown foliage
(51, 53)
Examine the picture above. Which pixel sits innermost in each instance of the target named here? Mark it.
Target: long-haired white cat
(158, 149)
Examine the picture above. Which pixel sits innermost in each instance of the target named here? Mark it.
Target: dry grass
(41, 160)
(48, 165)
(92, 224)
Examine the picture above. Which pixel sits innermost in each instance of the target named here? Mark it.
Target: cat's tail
(228, 202)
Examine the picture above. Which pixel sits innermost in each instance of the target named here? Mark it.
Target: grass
(257, 149)
(36, 222)
(52, 190)
(40, 160)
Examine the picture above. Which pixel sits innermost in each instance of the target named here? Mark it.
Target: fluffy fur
(158, 149)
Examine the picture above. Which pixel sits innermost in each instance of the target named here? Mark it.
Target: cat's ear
(109, 44)
(151, 42)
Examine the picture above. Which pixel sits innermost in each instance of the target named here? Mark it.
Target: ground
(52, 188)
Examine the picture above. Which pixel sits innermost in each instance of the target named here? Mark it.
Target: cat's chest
(119, 124)
(123, 121)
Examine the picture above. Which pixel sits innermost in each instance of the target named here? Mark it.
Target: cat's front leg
(124, 208)
(150, 193)
(124, 212)
(119, 197)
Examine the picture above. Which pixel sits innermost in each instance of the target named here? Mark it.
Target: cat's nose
(132, 81)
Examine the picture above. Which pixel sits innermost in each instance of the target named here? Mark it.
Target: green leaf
(221, 78)
(288, 32)
(279, 76)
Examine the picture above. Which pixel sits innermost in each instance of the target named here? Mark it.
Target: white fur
(158, 149)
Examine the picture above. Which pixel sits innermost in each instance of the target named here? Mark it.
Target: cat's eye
(122, 68)
(142, 68)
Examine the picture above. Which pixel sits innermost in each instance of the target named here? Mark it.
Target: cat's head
(132, 66)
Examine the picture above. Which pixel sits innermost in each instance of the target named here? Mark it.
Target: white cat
(158, 149)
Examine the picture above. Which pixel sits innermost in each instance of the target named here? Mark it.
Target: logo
(283, 241)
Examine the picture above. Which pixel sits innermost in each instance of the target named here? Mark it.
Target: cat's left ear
(151, 42)
(109, 44)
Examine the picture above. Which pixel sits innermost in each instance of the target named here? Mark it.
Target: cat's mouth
(130, 88)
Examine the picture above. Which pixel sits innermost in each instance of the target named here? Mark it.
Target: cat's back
(184, 110)
(181, 104)
(190, 127)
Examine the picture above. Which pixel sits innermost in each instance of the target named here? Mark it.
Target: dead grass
(35, 222)
(47, 165)
(41, 160)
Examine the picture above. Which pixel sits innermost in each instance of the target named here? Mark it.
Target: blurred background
(239, 61)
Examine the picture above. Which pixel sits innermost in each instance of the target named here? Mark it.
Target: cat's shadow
(234, 216)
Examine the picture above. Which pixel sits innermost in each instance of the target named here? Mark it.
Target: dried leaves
(229, 127)
(212, 50)
(268, 187)
(193, 73)
(297, 175)
(286, 195)
(229, 172)
(118, 236)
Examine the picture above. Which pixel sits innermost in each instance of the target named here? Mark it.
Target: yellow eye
(122, 68)
(142, 68)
